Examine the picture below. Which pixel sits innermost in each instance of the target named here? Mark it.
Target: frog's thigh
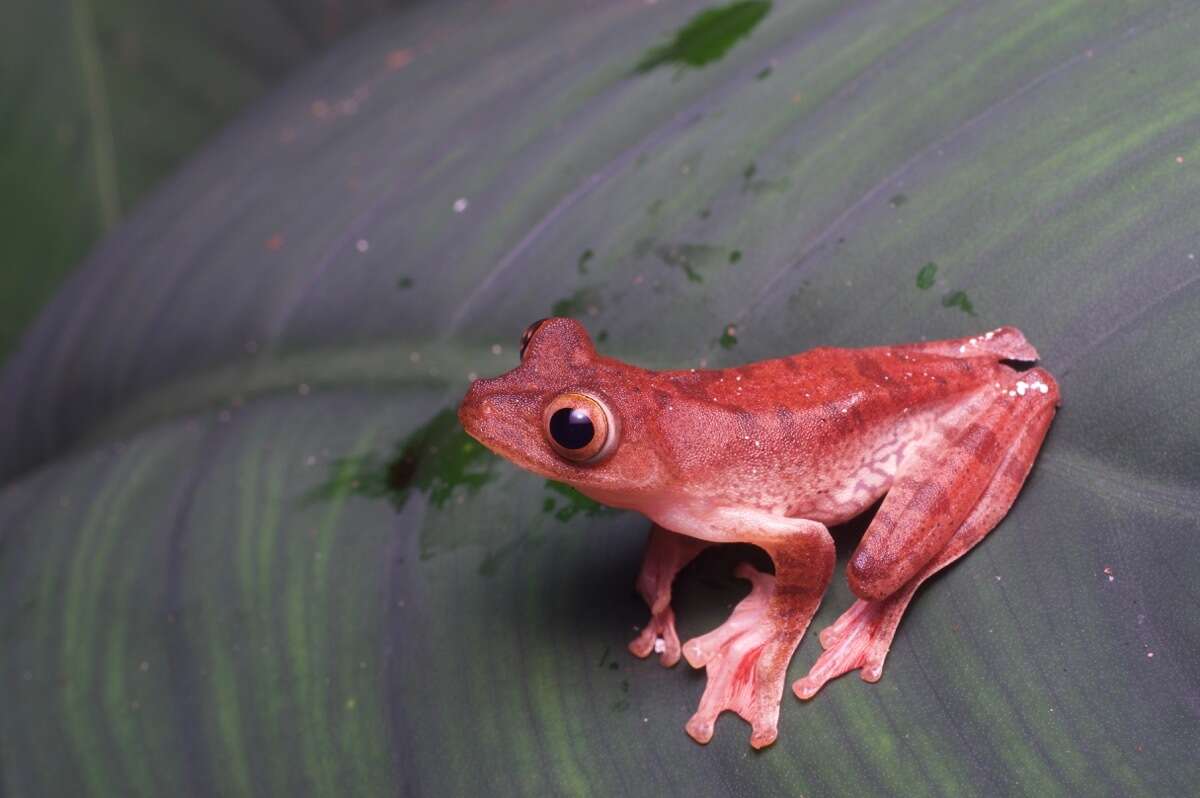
(862, 636)
(939, 486)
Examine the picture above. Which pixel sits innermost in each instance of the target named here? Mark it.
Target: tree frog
(773, 453)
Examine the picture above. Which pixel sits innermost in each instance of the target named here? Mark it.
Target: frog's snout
(490, 412)
(474, 408)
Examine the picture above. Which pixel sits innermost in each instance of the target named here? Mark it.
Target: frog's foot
(747, 659)
(859, 639)
(666, 554)
(658, 635)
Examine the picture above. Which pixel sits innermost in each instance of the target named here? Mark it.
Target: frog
(939, 436)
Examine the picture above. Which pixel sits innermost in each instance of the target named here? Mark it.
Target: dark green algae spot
(926, 276)
(707, 37)
(728, 339)
(960, 300)
(441, 461)
(438, 459)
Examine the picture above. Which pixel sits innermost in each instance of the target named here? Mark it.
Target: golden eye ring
(579, 427)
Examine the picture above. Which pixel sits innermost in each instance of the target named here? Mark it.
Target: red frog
(773, 453)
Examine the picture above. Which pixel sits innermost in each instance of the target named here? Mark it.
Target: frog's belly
(847, 481)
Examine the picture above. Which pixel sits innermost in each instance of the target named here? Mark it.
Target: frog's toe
(858, 640)
(763, 735)
(658, 635)
(849, 620)
(700, 728)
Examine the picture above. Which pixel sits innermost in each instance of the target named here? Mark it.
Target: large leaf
(245, 548)
(101, 100)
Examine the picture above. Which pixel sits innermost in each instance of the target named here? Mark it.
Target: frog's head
(568, 414)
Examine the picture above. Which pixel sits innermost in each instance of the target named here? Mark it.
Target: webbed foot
(859, 639)
(746, 659)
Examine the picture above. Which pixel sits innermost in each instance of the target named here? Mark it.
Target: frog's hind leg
(666, 555)
(997, 449)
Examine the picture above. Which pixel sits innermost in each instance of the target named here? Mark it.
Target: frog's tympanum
(772, 453)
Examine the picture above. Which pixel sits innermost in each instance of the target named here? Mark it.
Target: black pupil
(572, 428)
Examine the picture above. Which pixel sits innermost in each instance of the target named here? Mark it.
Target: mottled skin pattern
(770, 453)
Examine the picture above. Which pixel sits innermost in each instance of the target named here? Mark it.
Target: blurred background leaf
(102, 100)
(244, 549)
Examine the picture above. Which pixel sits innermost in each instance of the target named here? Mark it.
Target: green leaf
(102, 100)
(199, 600)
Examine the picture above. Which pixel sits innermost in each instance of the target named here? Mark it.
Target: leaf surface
(243, 549)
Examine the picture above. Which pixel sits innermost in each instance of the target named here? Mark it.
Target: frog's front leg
(987, 463)
(747, 657)
(666, 555)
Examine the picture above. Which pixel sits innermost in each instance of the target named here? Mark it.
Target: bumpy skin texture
(770, 453)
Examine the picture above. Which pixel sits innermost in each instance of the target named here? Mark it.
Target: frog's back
(796, 430)
(907, 375)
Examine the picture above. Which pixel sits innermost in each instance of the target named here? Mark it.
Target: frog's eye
(527, 336)
(579, 427)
